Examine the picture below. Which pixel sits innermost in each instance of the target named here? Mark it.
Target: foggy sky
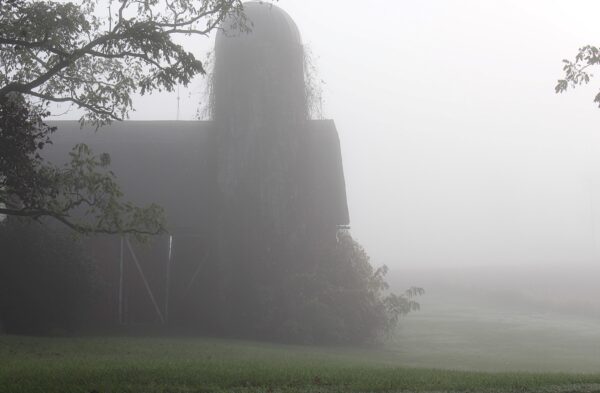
(456, 150)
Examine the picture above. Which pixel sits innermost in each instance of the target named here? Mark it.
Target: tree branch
(33, 45)
(189, 21)
(85, 229)
(83, 104)
(119, 55)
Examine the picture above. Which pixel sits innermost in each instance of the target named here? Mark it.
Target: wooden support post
(139, 267)
(168, 283)
(196, 273)
(121, 320)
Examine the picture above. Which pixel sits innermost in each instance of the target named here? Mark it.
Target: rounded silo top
(266, 22)
(258, 75)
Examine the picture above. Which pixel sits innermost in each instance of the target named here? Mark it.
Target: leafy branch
(45, 46)
(83, 194)
(576, 72)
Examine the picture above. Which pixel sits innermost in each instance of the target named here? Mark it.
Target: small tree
(95, 59)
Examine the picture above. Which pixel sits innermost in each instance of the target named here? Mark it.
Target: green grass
(202, 365)
(450, 345)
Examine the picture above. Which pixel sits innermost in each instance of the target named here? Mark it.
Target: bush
(345, 300)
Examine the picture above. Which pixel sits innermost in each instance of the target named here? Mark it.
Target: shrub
(345, 300)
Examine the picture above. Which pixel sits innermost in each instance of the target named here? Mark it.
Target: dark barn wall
(155, 162)
(164, 162)
(171, 163)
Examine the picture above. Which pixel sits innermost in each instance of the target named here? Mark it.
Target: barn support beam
(121, 319)
(148, 289)
(168, 283)
(200, 265)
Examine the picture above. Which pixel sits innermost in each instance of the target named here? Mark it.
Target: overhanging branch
(36, 214)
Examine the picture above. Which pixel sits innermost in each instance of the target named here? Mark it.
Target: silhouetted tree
(94, 59)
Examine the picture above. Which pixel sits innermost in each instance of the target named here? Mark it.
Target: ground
(449, 346)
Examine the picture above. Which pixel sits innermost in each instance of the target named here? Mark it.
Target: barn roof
(167, 162)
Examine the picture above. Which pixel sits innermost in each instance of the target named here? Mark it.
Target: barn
(252, 196)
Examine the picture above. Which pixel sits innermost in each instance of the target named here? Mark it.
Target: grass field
(448, 346)
(204, 365)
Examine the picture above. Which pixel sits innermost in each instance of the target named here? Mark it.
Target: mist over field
(503, 318)
(356, 196)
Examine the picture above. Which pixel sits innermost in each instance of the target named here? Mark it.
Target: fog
(464, 173)
(456, 150)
